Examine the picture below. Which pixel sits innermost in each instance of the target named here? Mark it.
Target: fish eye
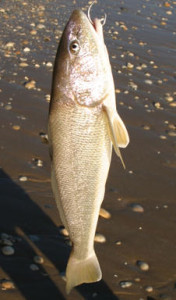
(74, 47)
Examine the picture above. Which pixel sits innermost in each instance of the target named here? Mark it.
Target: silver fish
(83, 125)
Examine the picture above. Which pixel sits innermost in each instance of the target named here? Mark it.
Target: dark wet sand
(144, 36)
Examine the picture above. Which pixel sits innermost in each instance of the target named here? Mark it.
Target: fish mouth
(98, 27)
(96, 23)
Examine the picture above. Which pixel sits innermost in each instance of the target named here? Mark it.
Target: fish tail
(82, 271)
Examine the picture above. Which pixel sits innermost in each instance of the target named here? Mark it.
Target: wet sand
(140, 36)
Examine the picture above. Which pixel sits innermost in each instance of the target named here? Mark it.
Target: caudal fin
(82, 271)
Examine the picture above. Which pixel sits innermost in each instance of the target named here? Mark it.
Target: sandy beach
(137, 247)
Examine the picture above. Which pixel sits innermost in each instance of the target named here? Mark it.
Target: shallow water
(142, 33)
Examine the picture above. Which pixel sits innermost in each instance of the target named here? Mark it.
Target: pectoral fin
(118, 131)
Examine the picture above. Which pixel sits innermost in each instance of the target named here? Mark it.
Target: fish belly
(81, 158)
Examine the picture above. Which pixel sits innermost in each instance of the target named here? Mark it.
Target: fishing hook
(102, 20)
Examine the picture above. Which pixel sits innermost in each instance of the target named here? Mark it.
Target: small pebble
(23, 178)
(172, 133)
(130, 66)
(9, 45)
(157, 105)
(6, 242)
(34, 267)
(44, 137)
(160, 81)
(8, 250)
(118, 243)
(94, 295)
(125, 284)
(30, 85)
(8, 107)
(172, 104)
(137, 208)
(139, 68)
(49, 64)
(169, 98)
(166, 4)
(47, 97)
(163, 137)
(169, 12)
(148, 81)
(7, 284)
(23, 64)
(37, 162)
(38, 259)
(40, 26)
(4, 236)
(34, 238)
(16, 127)
(63, 231)
(133, 85)
(124, 27)
(146, 127)
(104, 213)
(26, 49)
(130, 54)
(149, 289)
(99, 238)
(143, 265)
(33, 32)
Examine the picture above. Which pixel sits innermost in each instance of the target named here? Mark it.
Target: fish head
(81, 72)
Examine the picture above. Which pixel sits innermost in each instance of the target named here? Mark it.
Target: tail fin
(82, 271)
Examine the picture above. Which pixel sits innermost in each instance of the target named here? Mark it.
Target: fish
(83, 125)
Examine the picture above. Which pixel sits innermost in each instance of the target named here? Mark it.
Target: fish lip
(95, 25)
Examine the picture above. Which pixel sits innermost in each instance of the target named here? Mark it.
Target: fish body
(83, 124)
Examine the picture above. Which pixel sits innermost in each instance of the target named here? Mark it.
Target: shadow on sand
(18, 213)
